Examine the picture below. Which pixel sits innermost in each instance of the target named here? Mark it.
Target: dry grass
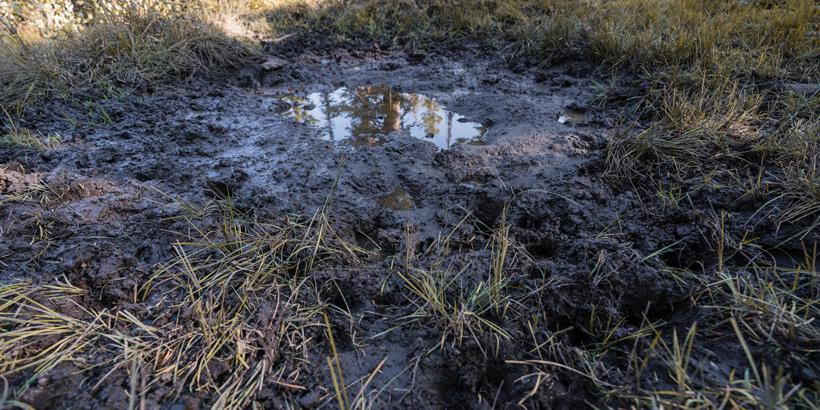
(762, 37)
(461, 300)
(15, 136)
(229, 314)
(130, 47)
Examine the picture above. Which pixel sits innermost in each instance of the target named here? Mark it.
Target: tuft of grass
(25, 138)
(459, 300)
(459, 312)
(693, 133)
(132, 46)
(16, 136)
(500, 249)
(36, 337)
(334, 364)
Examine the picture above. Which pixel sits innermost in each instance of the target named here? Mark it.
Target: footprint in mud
(365, 115)
(398, 200)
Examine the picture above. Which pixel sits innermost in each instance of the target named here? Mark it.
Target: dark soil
(125, 164)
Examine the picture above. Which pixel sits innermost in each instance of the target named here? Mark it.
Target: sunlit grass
(129, 47)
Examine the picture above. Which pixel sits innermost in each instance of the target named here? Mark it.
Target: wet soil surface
(98, 210)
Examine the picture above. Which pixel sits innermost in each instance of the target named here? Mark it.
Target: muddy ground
(98, 212)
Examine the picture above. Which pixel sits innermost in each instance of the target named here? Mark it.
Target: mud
(99, 210)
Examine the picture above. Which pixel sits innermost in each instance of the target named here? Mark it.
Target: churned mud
(406, 157)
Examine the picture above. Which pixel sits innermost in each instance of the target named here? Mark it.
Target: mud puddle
(577, 246)
(161, 153)
(366, 115)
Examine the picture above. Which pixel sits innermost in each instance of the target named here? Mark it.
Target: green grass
(15, 136)
(24, 137)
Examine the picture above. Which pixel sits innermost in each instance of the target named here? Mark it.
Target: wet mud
(401, 153)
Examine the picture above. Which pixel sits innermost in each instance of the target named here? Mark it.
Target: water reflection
(365, 115)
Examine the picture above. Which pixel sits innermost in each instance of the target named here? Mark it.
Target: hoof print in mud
(226, 188)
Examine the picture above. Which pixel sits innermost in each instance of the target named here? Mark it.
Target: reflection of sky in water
(366, 114)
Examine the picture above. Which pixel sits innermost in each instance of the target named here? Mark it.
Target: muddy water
(366, 115)
(398, 199)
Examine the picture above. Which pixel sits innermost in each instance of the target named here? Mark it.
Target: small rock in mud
(572, 116)
(274, 63)
(390, 66)
(256, 75)
(280, 107)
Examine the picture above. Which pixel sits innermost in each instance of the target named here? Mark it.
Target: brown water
(366, 115)
(398, 200)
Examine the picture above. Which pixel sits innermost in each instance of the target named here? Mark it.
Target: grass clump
(16, 136)
(38, 337)
(460, 312)
(24, 137)
(464, 302)
(132, 46)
